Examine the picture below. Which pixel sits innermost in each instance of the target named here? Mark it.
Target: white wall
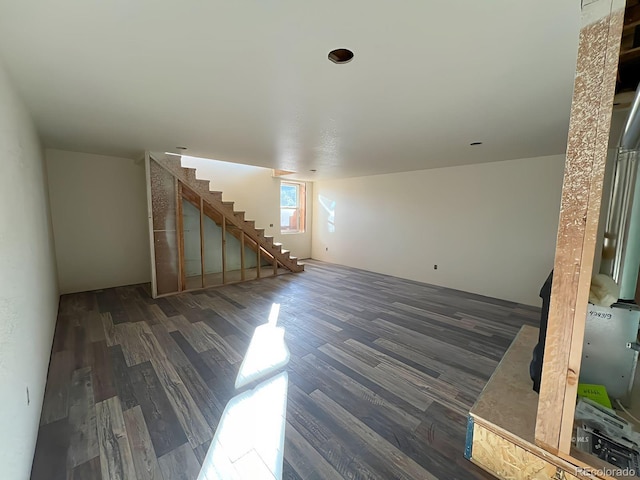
(490, 228)
(256, 192)
(99, 212)
(28, 288)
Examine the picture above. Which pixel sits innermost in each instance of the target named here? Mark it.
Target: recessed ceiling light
(341, 55)
(181, 148)
(473, 144)
(313, 170)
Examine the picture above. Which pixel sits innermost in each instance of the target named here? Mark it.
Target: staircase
(196, 191)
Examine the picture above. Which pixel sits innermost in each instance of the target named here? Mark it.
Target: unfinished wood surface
(231, 276)
(509, 461)
(258, 262)
(382, 373)
(594, 88)
(162, 210)
(508, 401)
(202, 249)
(507, 408)
(180, 230)
(224, 250)
(242, 260)
(213, 200)
(280, 173)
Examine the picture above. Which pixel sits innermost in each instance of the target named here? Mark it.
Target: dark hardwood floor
(381, 375)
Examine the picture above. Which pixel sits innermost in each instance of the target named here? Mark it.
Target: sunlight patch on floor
(267, 351)
(249, 441)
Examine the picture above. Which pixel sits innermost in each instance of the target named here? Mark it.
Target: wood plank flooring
(382, 373)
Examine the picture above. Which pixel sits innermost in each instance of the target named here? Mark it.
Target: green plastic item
(597, 393)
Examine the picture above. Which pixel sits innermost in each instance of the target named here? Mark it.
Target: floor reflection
(267, 351)
(249, 441)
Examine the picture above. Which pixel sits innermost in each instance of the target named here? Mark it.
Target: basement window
(292, 207)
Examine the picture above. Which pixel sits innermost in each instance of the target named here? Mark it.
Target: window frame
(300, 208)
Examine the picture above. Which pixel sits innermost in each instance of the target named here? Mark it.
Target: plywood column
(594, 88)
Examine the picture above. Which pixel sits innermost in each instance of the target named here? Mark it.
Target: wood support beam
(224, 250)
(202, 252)
(242, 272)
(258, 261)
(598, 50)
(182, 281)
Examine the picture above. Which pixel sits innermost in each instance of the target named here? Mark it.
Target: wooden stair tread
(235, 220)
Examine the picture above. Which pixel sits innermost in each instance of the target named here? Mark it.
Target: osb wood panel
(163, 206)
(163, 213)
(508, 401)
(508, 461)
(566, 462)
(598, 50)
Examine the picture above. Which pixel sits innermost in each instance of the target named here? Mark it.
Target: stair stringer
(187, 176)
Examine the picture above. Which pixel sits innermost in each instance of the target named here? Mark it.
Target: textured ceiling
(249, 81)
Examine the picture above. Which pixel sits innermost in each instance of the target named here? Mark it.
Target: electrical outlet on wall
(326, 249)
(435, 267)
